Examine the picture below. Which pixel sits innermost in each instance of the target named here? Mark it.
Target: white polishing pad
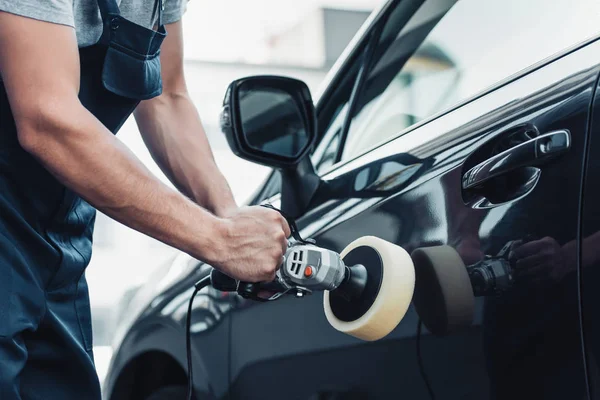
(393, 298)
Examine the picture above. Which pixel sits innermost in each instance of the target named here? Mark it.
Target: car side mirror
(270, 120)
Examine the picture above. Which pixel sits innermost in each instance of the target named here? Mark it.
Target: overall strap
(108, 7)
(109, 10)
(159, 6)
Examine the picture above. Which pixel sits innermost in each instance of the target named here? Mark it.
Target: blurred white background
(225, 40)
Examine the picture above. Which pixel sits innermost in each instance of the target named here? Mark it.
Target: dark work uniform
(46, 229)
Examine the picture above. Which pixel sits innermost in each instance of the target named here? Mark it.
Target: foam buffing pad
(386, 297)
(443, 296)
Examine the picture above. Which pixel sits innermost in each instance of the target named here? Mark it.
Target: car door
(439, 88)
(590, 252)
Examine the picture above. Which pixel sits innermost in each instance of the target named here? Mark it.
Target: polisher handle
(222, 282)
(260, 291)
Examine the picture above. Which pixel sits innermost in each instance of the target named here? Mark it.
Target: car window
(452, 50)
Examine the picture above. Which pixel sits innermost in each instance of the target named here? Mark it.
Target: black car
(472, 124)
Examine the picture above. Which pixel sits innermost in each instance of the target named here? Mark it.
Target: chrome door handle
(530, 153)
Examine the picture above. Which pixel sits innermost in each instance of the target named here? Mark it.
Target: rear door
(446, 87)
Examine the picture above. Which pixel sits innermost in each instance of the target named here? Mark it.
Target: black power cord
(420, 362)
(202, 283)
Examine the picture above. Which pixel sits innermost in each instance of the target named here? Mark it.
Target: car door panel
(590, 252)
(408, 191)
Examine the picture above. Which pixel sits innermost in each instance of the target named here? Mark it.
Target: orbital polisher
(367, 303)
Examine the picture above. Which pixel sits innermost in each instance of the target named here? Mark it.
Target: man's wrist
(218, 200)
(225, 211)
(211, 243)
(224, 206)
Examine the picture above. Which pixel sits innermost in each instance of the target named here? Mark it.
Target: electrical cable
(420, 362)
(202, 283)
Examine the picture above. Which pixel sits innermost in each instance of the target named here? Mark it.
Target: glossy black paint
(524, 344)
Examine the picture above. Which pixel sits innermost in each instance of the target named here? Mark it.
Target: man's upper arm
(172, 48)
(39, 64)
(171, 59)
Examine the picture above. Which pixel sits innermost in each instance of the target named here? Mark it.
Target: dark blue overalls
(46, 229)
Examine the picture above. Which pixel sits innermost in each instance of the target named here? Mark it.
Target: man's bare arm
(173, 132)
(39, 65)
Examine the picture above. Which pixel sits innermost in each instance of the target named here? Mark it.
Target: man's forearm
(86, 157)
(174, 135)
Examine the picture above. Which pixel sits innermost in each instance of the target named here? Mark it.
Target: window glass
(450, 51)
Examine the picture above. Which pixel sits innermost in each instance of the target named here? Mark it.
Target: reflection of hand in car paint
(545, 260)
(542, 261)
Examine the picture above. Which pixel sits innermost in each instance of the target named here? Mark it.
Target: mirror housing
(258, 111)
(271, 120)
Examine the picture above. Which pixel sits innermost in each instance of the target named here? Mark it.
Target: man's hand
(252, 244)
